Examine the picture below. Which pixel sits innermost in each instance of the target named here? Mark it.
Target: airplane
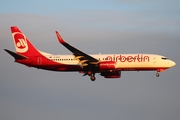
(108, 65)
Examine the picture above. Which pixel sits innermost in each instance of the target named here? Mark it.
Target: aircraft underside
(106, 73)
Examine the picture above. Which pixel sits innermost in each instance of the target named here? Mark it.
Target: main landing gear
(92, 77)
(91, 74)
(157, 74)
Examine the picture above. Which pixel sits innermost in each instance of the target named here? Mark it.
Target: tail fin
(22, 44)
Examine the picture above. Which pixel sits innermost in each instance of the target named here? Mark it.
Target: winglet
(60, 38)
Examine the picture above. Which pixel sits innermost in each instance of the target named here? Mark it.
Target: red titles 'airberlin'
(129, 58)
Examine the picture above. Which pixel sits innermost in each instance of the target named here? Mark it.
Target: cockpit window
(164, 58)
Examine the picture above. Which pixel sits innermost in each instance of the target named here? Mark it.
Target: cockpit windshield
(164, 58)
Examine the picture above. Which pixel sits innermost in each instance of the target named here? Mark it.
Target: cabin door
(39, 60)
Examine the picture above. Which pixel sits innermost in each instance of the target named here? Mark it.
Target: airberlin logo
(129, 58)
(20, 42)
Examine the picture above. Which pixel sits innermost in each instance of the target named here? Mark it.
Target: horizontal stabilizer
(16, 55)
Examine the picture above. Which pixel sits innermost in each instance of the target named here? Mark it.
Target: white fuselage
(123, 61)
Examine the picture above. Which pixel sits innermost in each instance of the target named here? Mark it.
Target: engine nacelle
(114, 74)
(107, 65)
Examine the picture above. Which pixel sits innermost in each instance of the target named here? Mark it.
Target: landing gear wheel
(157, 74)
(93, 78)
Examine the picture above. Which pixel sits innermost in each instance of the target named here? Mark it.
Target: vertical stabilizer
(22, 45)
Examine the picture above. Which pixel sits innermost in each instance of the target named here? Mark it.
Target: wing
(83, 58)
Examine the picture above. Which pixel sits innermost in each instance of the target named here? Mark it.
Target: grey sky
(93, 27)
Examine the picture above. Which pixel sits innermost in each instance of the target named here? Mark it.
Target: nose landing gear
(157, 74)
(92, 77)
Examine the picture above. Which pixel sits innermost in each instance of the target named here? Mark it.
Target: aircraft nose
(172, 63)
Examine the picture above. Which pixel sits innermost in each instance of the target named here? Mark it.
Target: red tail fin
(22, 44)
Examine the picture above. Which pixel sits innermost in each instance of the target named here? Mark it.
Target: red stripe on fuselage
(42, 62)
